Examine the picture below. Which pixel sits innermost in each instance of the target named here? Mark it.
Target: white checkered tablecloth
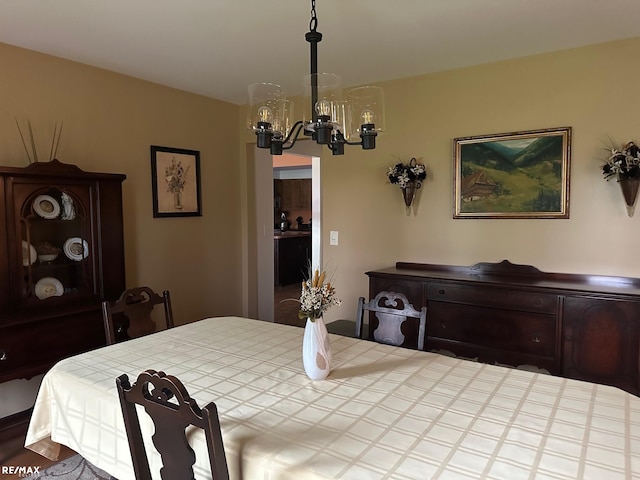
(383, 413)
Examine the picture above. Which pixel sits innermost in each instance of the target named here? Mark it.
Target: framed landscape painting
(513, 175)
(175, 182)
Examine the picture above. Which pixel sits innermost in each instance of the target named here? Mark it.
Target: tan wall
(594, 90)
(110, 121)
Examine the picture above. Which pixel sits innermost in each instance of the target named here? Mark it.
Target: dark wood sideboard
(585, 327)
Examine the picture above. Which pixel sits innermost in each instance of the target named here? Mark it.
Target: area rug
(73, 468)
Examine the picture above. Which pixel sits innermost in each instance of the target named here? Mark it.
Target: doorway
(292, 213)
(264, 227)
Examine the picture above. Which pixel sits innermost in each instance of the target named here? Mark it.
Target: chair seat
(346, 328)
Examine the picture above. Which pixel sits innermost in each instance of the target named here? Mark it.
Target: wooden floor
(285, 306)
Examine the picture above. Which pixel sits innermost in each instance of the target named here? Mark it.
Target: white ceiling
(218, 47)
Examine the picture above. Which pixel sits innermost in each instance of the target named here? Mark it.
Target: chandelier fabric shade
(328, 116)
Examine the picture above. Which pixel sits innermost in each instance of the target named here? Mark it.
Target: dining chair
(391, 310)
(172, 410)
(130, 315)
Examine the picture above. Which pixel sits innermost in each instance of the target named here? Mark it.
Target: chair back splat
(130, 315)
(391, 311)
(166, 401)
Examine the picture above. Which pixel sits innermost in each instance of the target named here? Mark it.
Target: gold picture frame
(513, 175)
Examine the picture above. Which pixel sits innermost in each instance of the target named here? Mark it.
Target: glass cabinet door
(56, 232)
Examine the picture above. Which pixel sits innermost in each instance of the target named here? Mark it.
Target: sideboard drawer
(414, 291)
(507, 298)
(496, 329)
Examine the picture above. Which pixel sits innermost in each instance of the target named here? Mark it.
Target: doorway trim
(263, 171)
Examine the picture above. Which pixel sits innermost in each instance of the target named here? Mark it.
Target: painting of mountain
(516, 175)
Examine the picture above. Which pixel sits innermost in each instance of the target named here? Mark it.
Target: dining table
(384, 412)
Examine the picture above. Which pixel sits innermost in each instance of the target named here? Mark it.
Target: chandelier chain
(313, 24)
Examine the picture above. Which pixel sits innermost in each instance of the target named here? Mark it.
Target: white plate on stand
(46, 206)
(29, 254)
(76, 248)
(48, 287)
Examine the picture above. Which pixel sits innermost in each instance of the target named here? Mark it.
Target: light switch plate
(333, 237)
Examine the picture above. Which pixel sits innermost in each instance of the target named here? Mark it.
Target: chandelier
(329, 120)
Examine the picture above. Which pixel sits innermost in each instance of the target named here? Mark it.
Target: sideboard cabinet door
(601, 341)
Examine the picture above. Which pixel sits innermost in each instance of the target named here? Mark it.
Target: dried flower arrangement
(402, 174)
(625, 162)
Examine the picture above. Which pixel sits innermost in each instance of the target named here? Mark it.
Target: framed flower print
(175, 182)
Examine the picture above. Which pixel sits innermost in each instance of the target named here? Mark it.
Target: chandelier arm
(295, 129)
(295, 132)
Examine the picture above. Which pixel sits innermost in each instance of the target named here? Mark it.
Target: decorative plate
(76, 249)
(48, 287)
(46, 206)
(29, 254)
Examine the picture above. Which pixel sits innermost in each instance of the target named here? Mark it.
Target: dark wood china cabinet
(61, 254)
(585, 327)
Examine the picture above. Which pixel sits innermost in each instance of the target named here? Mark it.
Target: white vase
(316, 350)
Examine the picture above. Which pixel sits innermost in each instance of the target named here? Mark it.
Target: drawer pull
(443, 325)
(441, 291)
(536, 340)
(3, 355)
